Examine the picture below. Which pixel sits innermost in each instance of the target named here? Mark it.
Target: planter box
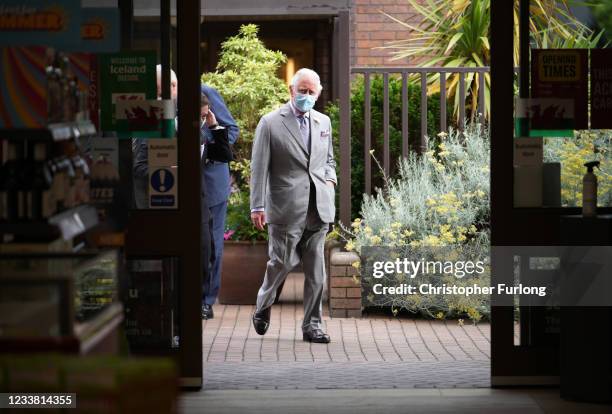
(244, 266)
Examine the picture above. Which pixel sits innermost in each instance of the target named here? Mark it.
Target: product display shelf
(56, 132)
(67, 225)
(64, 302)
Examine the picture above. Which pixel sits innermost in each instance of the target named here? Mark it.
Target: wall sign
(99, 31)
(528, 151)
(141, 118)
(163, 184)
(125, 75)
(601, 88)
(163, 180)
(560, 74)
(54, 23)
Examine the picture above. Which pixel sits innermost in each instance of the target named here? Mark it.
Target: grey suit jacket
(282, 171)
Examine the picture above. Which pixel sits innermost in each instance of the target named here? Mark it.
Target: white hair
(307, 72)
(159, 74)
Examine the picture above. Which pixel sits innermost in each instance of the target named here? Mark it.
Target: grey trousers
(287, 245)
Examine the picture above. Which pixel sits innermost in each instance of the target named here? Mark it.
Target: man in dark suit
(217, 178)
(214, 175)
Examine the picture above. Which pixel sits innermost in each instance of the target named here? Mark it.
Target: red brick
(369, 27)
(366, 44)
(396, 9)
(353, 292)
(350, 271)
(373, 17)
(338, 292)
(337, 271)
(386, 35)
(353, 313)
(342, 282)
(383, 2)
(365, 9)
(337, 313)
(368, 61)
(345, 303)
(360, 35)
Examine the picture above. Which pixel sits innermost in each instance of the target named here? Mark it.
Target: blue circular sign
(162, 180)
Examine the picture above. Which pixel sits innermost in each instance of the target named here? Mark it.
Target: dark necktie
(305, 131)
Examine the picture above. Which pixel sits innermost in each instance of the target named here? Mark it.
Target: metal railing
(424, 73)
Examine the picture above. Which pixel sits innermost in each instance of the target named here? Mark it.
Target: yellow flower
(430, 202)
(375, 240)
(396, 225)
(350, 246)
(368, 230)
(440, 315)
(356, 264)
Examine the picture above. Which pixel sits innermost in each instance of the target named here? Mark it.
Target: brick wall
(344, 285)
(372, 29)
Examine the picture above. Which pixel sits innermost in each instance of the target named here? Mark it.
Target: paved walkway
(373, 352)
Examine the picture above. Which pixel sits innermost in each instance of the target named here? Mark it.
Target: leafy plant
(572, 154)
(455, 33)
(246, 77)
(602, 12)
(440, 199)
(238, 221)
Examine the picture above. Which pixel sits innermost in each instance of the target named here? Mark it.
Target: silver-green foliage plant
(438, 199)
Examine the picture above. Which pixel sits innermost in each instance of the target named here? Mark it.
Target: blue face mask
(304, 102)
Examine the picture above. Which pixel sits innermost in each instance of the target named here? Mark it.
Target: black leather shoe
(316, 336)
(261, 320)
(207, 312)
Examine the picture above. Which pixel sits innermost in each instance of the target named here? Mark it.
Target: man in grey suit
(293, 180)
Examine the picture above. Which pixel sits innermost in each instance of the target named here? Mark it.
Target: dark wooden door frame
(176, 233)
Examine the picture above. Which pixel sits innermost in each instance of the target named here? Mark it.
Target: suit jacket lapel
(291, 124)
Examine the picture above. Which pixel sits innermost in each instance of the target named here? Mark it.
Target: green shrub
(246, 77)
(395, 128)
(439, 199)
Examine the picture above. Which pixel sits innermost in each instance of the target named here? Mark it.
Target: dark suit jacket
(216, 173)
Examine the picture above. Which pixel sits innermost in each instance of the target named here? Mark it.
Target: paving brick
(362, 353)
